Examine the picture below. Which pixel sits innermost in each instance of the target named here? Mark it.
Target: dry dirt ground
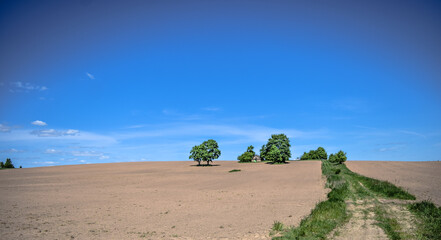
(156, 200)
(423, 179)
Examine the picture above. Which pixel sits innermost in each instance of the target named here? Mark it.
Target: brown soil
(156, 200)
(361, 225)
(423, 179)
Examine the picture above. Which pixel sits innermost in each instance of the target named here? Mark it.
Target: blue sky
(113, 81)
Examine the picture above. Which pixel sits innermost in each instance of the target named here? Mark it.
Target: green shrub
(277, 226)
(248, 155)
(319, 154)
(339, 157)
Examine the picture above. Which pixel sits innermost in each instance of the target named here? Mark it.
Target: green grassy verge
(328, 214)
(346, 185)
(389, 225)
(429, 219)
(381, 188)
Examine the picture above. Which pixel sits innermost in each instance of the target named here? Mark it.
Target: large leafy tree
(282, 154)
(196, 154)
(248, 155)
(206, 152)
(274, 155)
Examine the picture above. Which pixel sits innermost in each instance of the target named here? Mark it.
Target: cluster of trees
(277, 149)
(319, 154)
(248, 155)
(206, 152)
(339, 157)
(7, 164)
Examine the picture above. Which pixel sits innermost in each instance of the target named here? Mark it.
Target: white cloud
(54, 133)
(4, 128)
(95, 154)
(12, 150)
(26, 87)
(90, 76)
(87, 154)
(245, 132)
(38, 123)
(72, 132)
(55, 136)
(51, 151)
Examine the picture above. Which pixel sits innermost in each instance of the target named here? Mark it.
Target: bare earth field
(423, 179)
(158, 200)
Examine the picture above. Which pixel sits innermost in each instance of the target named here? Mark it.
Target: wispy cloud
(412, 133)
(46, 163)
(90, 76)
(4, 128)
(51, 151)
(25, 87)
(11, 150)
(249, 132)
(54, 133)
(38, 123)
(99, 155)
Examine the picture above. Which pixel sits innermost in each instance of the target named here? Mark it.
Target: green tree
(207, 152)
(2, 165)
(321, 153)
(8, 163)
(197, 154)
(274, 155)
(339, 157)
(305, 156)
(281, 142)
(248, 155)
(263, 152)
(318, 154)
(332, 158)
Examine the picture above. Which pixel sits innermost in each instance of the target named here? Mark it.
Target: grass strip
(327, 215)
(382, 188)
(234, 170)
(389, 225)
(429, 216)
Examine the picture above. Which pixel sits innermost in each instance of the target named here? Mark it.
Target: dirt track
(423, 179)
(154, 200)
